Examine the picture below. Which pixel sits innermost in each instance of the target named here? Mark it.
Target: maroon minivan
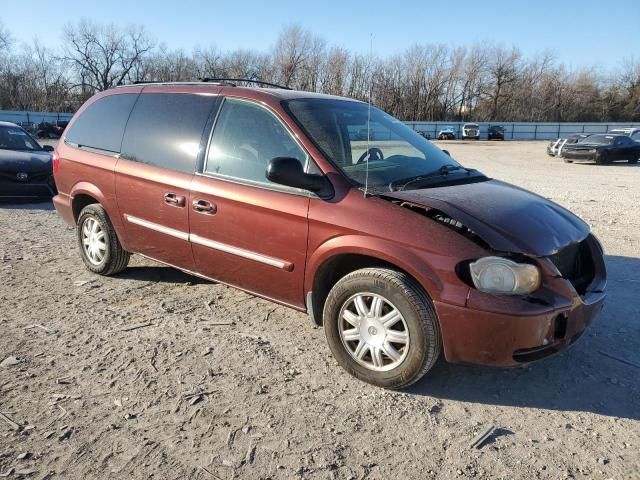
(398, 250)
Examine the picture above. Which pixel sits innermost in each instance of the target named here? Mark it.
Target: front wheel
(381, 327)
(100, 248)
(602, 158)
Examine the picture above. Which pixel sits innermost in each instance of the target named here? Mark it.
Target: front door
(246, 231)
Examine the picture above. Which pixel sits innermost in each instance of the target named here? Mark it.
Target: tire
(602, 159)
(634, 159)
(566, 160)
(110, 258)
(417, 325)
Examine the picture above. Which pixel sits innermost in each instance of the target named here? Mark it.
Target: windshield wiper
(443, 171)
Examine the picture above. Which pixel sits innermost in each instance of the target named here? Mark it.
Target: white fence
(523, 131)
(20, 117)
(513, 130)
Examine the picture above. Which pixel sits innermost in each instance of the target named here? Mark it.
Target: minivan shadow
(161, 274)
(581, 378)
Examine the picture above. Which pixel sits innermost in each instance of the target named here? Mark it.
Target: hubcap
(373, 331)
(93, 241)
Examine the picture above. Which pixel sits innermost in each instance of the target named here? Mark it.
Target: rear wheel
(634, 158)
(100, 248)
(381, 327)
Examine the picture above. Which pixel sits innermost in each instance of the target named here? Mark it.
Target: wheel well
(79, 202)
(333, 270)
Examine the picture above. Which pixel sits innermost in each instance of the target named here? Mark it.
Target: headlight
(501, 275)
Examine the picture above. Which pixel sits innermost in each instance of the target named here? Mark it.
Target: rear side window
(101, 124)
(165, 130)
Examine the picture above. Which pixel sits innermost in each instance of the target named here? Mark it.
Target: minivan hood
(508, 218)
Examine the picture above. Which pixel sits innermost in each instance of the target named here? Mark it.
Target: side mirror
(288, 171)
(447, 152)
(47, 148)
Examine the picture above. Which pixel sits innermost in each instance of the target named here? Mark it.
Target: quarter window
(101, 124)
(245, 138)
(165, 130)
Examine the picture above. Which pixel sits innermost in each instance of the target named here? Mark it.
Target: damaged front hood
(508, 218)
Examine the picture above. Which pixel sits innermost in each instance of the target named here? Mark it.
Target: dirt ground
(217, 384)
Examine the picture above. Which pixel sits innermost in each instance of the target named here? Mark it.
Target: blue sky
(589, 33)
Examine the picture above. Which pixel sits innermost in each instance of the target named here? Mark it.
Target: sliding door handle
(174, 199)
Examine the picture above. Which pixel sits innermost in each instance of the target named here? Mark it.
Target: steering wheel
(375, 154)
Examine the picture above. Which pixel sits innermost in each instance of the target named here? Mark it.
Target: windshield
(15, 138)
(599, 139)
(339, 129)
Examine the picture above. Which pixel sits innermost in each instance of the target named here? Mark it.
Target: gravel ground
(216, 384)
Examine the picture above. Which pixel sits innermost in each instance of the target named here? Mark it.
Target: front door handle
(205, 207)
(175, 200)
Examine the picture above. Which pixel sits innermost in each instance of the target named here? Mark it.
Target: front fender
(402, 257)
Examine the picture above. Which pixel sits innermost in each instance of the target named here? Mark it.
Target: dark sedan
(25, 165)
(496, 132)
(603, 148)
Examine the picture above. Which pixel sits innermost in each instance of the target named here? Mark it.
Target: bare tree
(503, 71)
(424, 82)
(5, 39)
(291, 53)
(104, 56)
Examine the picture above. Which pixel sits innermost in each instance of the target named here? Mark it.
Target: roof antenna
(366, 171)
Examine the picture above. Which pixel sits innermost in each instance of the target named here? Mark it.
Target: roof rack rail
(246, 80)
(228, 82)
(160, 82)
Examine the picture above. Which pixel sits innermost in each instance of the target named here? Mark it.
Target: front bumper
(487, 338)
(36, 189)
(508, 331)
(579, 154)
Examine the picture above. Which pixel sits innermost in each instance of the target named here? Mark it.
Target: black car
(25, 165)
(555, 147)
(49, 130)
(603, 148)
(496, 132)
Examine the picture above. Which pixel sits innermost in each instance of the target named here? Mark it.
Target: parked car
(603, 148)
(554, 148)
(399, 251)
(49, 130)
(27, 126)
(424, 134)
(496, 132)
(632, 132)
(447, 133)
(25, 165)
(471, 130)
